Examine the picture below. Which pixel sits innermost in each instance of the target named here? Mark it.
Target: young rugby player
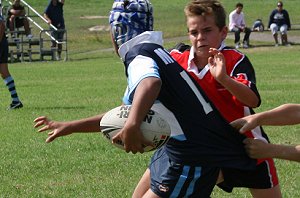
(231, 87)
(202, 140)
(5, 74)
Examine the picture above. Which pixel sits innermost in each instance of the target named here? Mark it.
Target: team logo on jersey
(163, 188)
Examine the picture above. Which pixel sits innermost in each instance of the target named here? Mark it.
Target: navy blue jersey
(200, 135)
(279, 18)
(207, 138)
(56, 14)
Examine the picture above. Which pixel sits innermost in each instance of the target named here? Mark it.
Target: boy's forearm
(144, 97)
(242, 92)
(91, 124)
(286, 152)
(286, 114)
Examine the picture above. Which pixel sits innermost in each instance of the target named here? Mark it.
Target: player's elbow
(156, 82)
(255, 102)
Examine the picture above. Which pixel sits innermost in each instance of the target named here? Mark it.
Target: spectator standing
(16, 18)
(280, 21)
(237, 25)
(54, 14)
(8, 79)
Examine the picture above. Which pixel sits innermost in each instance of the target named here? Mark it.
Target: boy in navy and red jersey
(232, 89)
(230, 85)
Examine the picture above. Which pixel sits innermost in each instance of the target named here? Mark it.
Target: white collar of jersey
(145, 37)
(191, 64)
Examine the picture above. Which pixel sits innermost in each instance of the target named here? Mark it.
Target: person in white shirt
(237, 25)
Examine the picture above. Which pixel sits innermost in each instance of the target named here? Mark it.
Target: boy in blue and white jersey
(202, 141)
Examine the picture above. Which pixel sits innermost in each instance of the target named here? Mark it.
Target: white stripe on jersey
(164, 55)
(206, 106)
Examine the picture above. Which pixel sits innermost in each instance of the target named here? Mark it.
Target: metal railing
(46, 31)
(33, 21)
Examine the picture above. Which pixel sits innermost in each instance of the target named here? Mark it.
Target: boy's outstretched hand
(57, 129)
(245, 124)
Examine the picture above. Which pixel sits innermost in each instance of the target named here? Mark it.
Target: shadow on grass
(55, 108)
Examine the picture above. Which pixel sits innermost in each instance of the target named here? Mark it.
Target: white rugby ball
(154, 127)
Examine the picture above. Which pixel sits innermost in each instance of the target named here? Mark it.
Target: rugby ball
(154, 127)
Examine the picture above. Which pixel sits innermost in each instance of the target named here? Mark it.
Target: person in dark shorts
(54, 14)
(8, 79)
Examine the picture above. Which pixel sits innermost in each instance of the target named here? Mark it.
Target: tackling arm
(145, 94)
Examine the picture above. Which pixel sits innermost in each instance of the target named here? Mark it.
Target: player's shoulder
(232, 55)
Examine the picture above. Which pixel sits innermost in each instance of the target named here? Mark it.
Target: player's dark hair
(239, 5)
(207, 7)
(279, 3)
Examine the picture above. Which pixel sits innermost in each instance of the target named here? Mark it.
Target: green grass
(92, 82)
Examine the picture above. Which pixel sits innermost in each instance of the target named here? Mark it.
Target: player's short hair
(279, 3)
(207, 7)
(129, 18)
(239, 5)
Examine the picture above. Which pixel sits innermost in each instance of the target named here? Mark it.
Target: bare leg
(143, 186)
(262, 193)
(26, 26)
(11, 23)
(150, 194)
(284, 39)
(59, 49)
(4, 71)
(275, 38)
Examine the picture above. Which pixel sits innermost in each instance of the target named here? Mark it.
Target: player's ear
(224, 32)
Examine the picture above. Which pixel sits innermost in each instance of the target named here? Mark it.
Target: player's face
(239, 9)
(204, 34)
(114, 43)
(17, 2)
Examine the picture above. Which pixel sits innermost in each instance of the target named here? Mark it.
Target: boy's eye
(207, 30)
(194, 33)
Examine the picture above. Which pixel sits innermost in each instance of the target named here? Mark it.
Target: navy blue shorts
(263, 177)
(58, 35)
(3, 51)
(169, 179)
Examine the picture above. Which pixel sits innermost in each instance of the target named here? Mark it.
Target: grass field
(93, 82)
